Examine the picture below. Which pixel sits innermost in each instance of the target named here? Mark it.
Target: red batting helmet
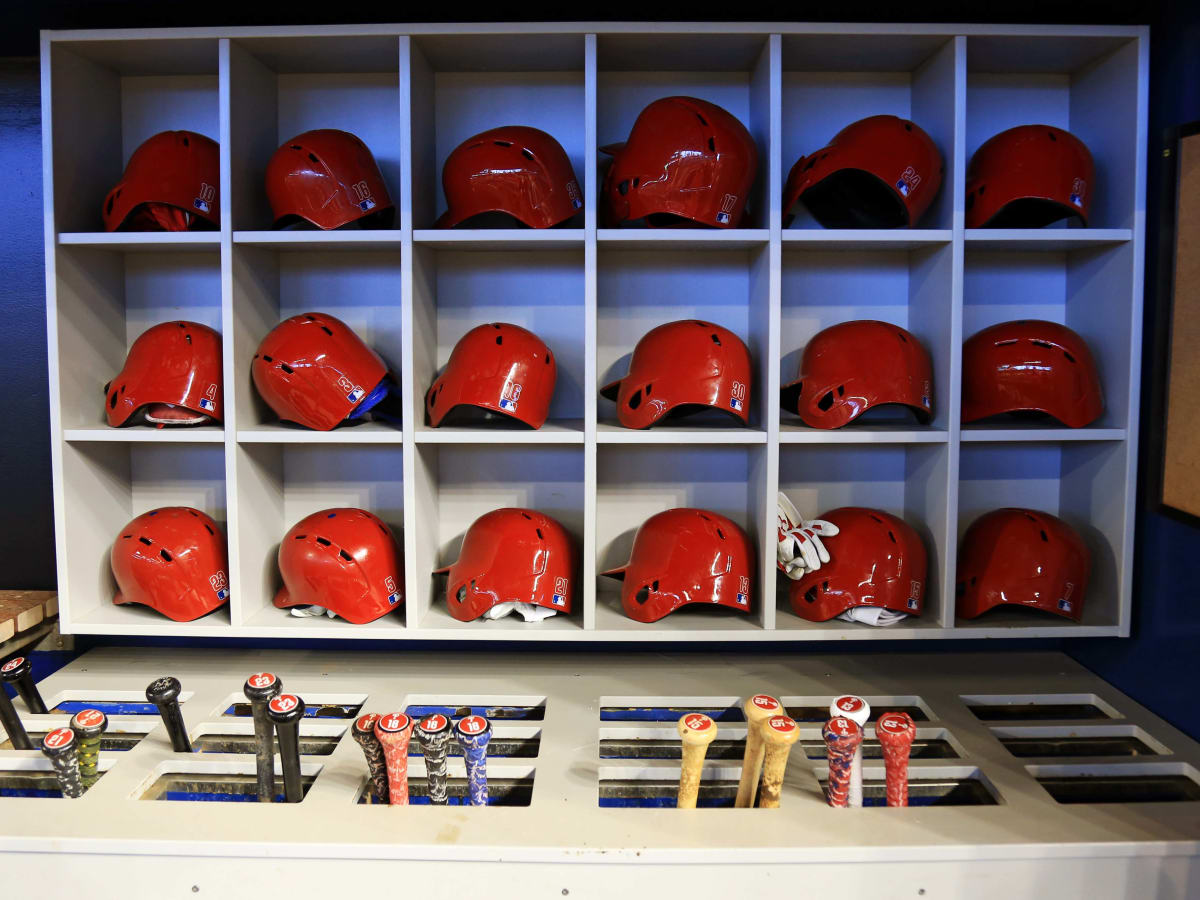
(1029, 176)
(345, 560)
(172, 560)
(685, 159)
(680, 367)
(329, 179)
(516, 170)
(312, 369)
(170, 184)
(511, 555)
(1030, 366)
(878, 172)
(497, 368)
(684, 556)
(172, 376)
(877, 559)
(1022, 557)
(855, 366)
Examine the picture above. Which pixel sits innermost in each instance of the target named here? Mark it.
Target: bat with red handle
(896, 731)
(843, 737)
(394, 731)
(858, 711)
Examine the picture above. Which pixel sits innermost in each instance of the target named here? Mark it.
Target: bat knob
(262, 686)
(363, 728)
(854, 708)
(389, 728)
(697, 729)
(16, 669)
(473, 730)
(59, 742)
(896, 730)
(286, 709)
(434, 728)
(89, 723)
(780, 731)
(164, 690)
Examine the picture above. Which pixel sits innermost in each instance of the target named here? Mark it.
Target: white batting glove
(800, 548)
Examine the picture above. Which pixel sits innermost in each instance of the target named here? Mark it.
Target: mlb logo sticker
(507, 404)
(222, 594)
(560, 591)
(200, 205)
(742, 599)
(206, 404)
(559, 600)
(573, 193)
(723, 218)
(735, 403)
(362, 196)
(1064, 604)
(207, 195)
(912, 602)
(902, 188)
(367, 205)
(393, 599)
(1078, 190)
(355, 395)
(509, 396)
(728, 202)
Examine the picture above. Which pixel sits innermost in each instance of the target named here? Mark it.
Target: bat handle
(363, 732)
(842, 737)
(858, 711)
(779, 734)
(260, 689)
(164, 694)
(18, 672)
(473, 734)
(17, 735)
(896, 732)
(89, 725)
(285, 712)
(60, 747)
(696, 731)
(434, 731)
(757, 709)
(394, 732)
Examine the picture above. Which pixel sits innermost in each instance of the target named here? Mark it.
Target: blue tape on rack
(108, 707)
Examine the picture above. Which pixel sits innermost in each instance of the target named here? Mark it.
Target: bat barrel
(757, 710)
(17, 735)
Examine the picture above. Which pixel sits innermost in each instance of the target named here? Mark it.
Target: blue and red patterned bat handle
(842, 737)
(473, 733)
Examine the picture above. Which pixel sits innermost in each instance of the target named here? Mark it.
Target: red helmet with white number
(1024, 558)
(686, 159)
(313, 370)
(684, 556)
(173, 560)
(1030, 366)
(172, 376)
(508, 555)
(345, 560)
(497, 370)
(170, 184)
(878, 172)
(1028, 177)
(330, 179)
(855, 366)
(877, 559)
(516, 170)
(680, 368)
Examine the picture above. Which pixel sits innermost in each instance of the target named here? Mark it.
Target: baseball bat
(59, 746)
(394, 732)
(286, 711)
(164, 694)
(857, 710)
(757, 709)
(779, 733)
(434, 734)
(363, 732)
(697, 731)
(473, 734)
(260, 689)
(896, 731)
(88, 725)
(17, 735)
(842, 737)
(18, 672)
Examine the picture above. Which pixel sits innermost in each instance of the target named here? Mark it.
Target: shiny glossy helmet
(1030, 366)
(855, 366)
(312, 369)
(497, 370)
(877, 559)
(516, 170)
(345, 560)
(507, 555)
(170, 184)
(684, 556)
(685, 159)
(171, 376)
(1029, 177)
(329, 179)
(172, 560)
(680, 368)
(1023, 558)
(878, 172)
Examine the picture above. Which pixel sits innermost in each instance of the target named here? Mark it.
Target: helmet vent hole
(636, 180)
(324, 542)
(702, 120)
(1069, 357)
(654, 585)
(876, 518)
(841, 390)
(825, 402)
(546, 360)
(325, 329)
(705, 518)
(970, 200)
(502, 143)
(499, 339)
(208, 528)
(331, 516)
(825, 585)
(112, 401)
(712, 145)
(108, 209)
(300, 537)
(972, 581)
(188, 338)
(286, 368)
(297, 147)
(1029, 517)
(960, 589)
(892, 536)
(146, 541)
(165, 555)
(623, 187)
(908, 126)
(720, 534)
(527, 154)
(643, 594)
(461, 596)
(1050, 134)
(812, 161)
(982, 188)
(900, 334)
(541, 537)
(716, 340)
(527, 516)
(313, 157)
(346, 556)
(649, 388)
(1042, 532)
(126, 536)
(268, 358)
(472, 584)
(636, 399)
(1048, 346)
(810, 596)
(1005, 343)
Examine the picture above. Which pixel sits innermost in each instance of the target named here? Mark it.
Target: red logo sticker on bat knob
(367, 722)
(765, 701)
(849, 704)
(698, 722)
(782, 724)
(393, 722)
(261, 680)
(894, 723)
(473, 725)
(842, 726)
(88, 718)
(12, 663)
(284, 703)
(434, 722)
(58, 739)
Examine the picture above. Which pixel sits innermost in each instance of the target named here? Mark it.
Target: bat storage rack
(413, 92)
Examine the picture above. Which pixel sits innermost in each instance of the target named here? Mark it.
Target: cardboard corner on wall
(1181, 462)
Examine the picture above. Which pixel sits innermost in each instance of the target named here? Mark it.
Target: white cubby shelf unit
(413, 93)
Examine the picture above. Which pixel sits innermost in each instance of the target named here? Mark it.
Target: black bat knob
(59, 746)
(164, 693)
(286, 711)
(18, 672)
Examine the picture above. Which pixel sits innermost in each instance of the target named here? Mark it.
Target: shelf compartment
(508, 785)
(316, 738)
(218, 782)
(927, 786)
(1045, 741)
(657, 786)
(1163, 782)
(1039, 707)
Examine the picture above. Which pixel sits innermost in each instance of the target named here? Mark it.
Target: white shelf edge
(682, 238)
(142, 240)
(864, 239)
(337, 436)
(500, 239)
(794, 435)
(610, 434)
(146, 435)
(321, 240)
(544, 435)
(1050, 239)
(1030, 435)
